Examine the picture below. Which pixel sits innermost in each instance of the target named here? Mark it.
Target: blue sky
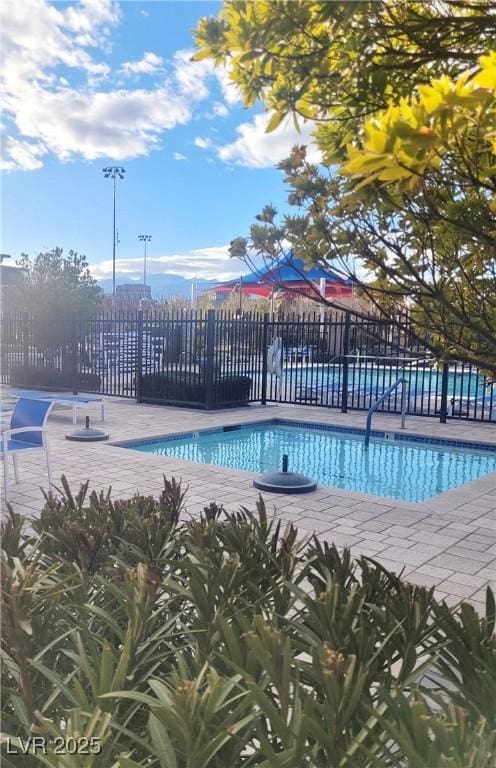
(94, 83)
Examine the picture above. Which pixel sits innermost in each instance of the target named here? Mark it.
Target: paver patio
(448, 542)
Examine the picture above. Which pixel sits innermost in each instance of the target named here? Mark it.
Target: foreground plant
(227, 640)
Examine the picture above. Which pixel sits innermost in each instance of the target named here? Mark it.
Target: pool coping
(444, 502)
(472, 445)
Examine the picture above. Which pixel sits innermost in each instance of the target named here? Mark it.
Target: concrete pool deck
(448, 542)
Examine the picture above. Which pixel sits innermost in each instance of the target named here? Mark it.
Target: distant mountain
(162, 285)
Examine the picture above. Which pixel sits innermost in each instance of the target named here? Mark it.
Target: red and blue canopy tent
(288, 276)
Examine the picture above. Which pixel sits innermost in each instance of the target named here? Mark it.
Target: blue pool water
(410, 471)
(421, 380)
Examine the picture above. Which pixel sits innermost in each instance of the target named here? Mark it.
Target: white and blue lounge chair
(27, 433)
(71, 401)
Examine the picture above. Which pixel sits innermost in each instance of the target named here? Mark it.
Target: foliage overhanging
(403, 98)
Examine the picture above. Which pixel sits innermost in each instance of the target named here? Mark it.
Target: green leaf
(490, 610)
(162, 743)
(395, 173)
(275, 121)
(106, 669)
(144, 698)
(57, 681)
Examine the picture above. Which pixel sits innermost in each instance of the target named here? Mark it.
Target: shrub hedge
(191, 388)
(51, 378)
(228, 641)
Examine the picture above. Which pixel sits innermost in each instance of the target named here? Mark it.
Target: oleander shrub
(52, 378)
(191, 388)
(147, 638)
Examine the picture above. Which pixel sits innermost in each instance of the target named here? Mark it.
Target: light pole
(145, 239)
(113, 172)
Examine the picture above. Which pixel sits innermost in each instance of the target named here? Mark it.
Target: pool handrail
(380, 400)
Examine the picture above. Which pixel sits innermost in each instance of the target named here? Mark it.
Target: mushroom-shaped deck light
(284, 481)
(87, 434)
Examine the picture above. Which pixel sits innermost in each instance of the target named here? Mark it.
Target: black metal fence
(217, 358)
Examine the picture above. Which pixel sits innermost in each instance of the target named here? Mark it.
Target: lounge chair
(298, 354)
(26, 433)
(71, 401)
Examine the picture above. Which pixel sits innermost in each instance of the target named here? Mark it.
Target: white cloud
(44, 112)
(230, 90)
(37, 36)
(119, 124)
(89, 15)
(212, 263)
(89, 18)
(179, 156)
(202, 143)
(219, 109)
(22, 155)
(192, 76)
(256, 149)
(150, 64)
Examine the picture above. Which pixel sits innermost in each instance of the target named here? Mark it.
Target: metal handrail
(381, 400)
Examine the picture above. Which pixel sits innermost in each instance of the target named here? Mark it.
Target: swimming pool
(401, 467)
(376, 377)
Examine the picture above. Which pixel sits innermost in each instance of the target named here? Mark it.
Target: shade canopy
(289, 276)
